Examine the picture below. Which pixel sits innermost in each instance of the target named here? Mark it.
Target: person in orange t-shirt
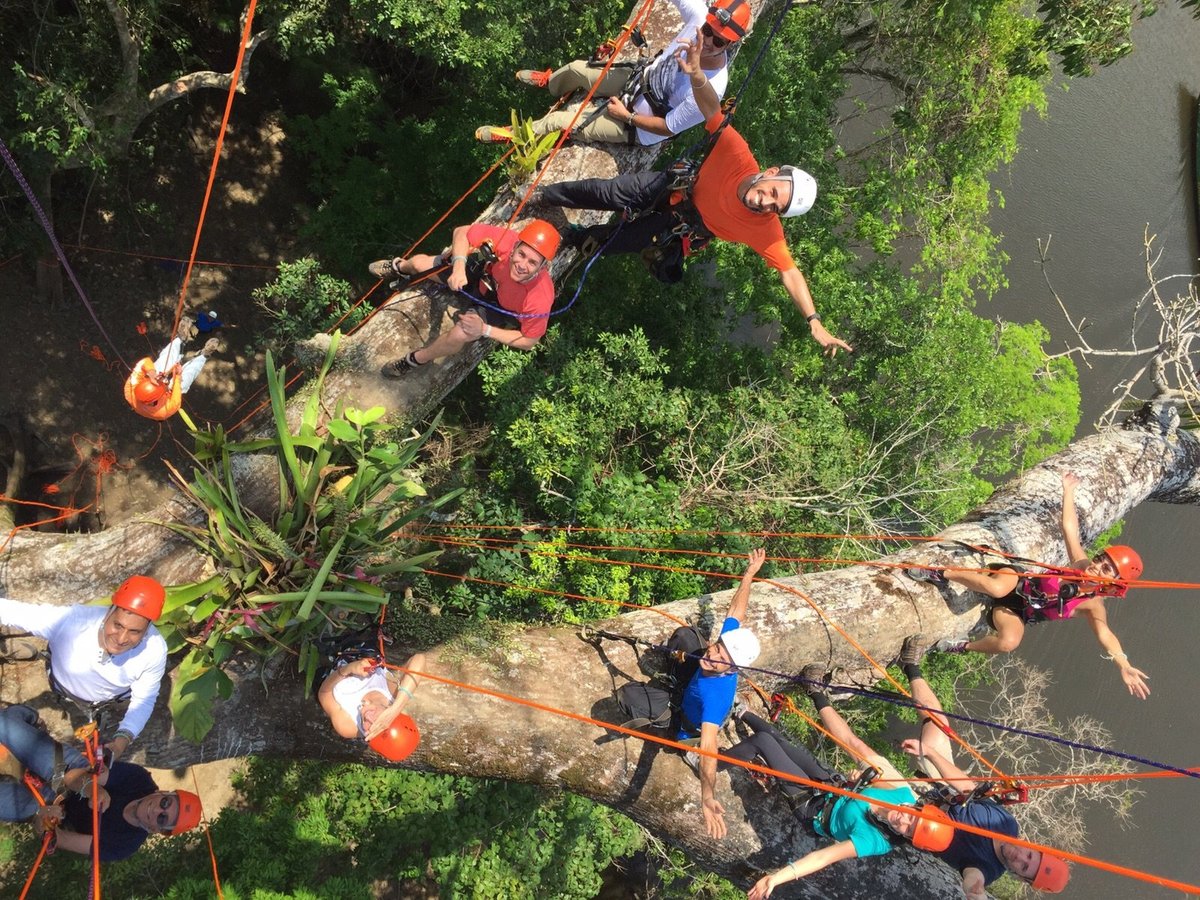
(730, 199)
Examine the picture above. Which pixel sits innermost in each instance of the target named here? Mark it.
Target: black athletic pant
(780, 754)
(639, 192)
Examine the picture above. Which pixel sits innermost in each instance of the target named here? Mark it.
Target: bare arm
(714, 812)
(946, 769)
(702, 91)
(1070, 518)
(74, 842)
(652, 124)
(402, 693)
(1135, 679)
(741, 597)
(806, 865)
(973, 885)
(459, 248)
(796, 285)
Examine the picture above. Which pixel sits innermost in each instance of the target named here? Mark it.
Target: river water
(1114, 154)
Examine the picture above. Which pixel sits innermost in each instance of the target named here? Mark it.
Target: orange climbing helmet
(1052, 875)
(149, 391)
(189, 812)
(1126, 559)
(399, 741)
(934, 832)
(729, 19)
(542, 237)
(140, 594)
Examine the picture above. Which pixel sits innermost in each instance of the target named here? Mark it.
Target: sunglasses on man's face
(162, 820)
(717, 40)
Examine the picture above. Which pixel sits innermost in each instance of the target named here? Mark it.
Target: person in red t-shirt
(730, 199)
(517, 281)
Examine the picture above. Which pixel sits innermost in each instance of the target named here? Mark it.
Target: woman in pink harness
(1019, 598)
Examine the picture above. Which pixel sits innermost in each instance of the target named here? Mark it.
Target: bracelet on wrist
(487, 330)
(457, 258)
(813, 317)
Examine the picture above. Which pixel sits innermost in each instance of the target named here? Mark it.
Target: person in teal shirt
(859, 827)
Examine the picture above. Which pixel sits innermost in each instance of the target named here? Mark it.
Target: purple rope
(898, 700)
(41, 214)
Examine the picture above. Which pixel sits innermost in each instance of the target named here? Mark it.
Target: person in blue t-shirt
(860, 828)
(980, 860)
(709, 678)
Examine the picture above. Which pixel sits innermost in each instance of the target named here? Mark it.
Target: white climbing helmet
(804, 191)
(742, 645)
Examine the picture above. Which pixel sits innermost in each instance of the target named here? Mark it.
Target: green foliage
(528, 150)
(326, 553)
(314, 831)
(303, 301)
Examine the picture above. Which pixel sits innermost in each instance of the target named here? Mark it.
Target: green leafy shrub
(303, 301)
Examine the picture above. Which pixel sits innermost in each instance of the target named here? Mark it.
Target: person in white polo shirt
(101, 654)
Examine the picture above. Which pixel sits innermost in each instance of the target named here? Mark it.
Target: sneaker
(692, 758)
(931, 576)
(494, 134)
(535, 78)
(947, 646)
(398, 368)
(385, 268)
(913, 650)
(211, 346)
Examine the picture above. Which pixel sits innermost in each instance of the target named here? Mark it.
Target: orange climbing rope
(212, 855)
(48, 837)
(90, 735)
(954, 736)
(642, 14)
(234, 81)
(1092, 862)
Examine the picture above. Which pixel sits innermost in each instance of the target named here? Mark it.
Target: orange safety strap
(47, 837)
(90, 735)
(212, 173)
(208, 837)
(796, 779)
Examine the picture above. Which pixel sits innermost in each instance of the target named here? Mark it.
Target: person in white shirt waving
(103, 654)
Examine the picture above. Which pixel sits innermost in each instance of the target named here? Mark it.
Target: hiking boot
(913, 650)
(948, 646)
(931, 576)
(398, 368)
(535, 78)
(494, 134)
(692, 758)
(386, 268)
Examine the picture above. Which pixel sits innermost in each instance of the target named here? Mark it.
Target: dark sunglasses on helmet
(717, 40)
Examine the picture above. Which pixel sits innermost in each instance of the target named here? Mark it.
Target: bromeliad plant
(326, 553)
(527, 150)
